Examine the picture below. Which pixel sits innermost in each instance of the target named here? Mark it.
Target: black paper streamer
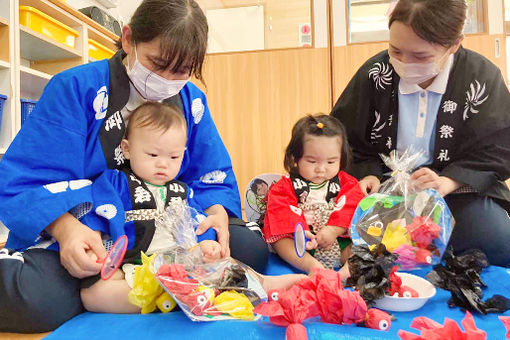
(370, 271)
(461, 276)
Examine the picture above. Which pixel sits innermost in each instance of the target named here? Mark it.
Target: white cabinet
(28, 58)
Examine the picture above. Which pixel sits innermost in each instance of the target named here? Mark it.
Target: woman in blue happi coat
(74, 134)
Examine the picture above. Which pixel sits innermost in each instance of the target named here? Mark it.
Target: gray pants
(481, 222)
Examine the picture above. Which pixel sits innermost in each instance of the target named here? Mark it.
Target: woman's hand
(328, 235)
(218, 220)
(211, 250)
(80, 246)
(369, 184)
(425, 178)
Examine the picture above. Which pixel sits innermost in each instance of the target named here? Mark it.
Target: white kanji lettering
(443, 155)
(390, 120)
(142, 195)
(119, 156)
(299, 183)
(134, 179)
(389, 143)
(334, 188)
(114, 121)
(174, 199)
(446, 131)
(175, 187)
(375, 134)
(449, 106)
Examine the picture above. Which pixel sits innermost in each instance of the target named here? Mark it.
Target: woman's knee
(480, 223)
(248, 247)
(36, 293)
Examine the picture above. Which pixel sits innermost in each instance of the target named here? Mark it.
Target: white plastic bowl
(424, 288)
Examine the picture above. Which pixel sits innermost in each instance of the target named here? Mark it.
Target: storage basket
(40, 22)
(98, 51)
(27, 106)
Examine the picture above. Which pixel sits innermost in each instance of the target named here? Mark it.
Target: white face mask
(150, 85)
(417, 73)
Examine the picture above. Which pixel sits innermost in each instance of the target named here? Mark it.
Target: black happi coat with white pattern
(472, 136)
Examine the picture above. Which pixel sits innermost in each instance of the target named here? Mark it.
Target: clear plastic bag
(205, 291)
(415, 224)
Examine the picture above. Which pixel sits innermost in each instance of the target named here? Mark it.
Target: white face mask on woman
(150, 85)
(414, 73)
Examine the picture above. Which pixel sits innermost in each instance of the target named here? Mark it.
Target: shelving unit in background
(28, 59)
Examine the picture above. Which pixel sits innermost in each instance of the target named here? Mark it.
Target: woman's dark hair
(436, 21)
(182, 28)
(255, 183)
(315, 125)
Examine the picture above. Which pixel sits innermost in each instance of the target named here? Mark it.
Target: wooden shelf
(32, 82)
(34, 73)
(4, 65)
(82, 17)
(36, 46)
(4, 22)
(102, 38)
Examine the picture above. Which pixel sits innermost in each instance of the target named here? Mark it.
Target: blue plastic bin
(3, 98)
(27, 106)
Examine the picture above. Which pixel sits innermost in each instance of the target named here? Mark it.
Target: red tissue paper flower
(423, 231)
(506, 322)
(176, 280)
(431, 330)
(337, 305)
(290, 308)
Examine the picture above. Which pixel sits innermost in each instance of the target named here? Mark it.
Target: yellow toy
(146, 292)
(235, 304)
(396, 235)
(165, 303)
(209, 292)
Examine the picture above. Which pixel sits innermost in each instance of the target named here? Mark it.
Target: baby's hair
(255, 183)
(315, 125)
(158, 115)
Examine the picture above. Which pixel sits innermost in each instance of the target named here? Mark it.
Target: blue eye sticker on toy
(416, 225)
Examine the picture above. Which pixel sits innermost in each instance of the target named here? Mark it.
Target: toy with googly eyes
(321, 294)
(378, 319)
(415, 224)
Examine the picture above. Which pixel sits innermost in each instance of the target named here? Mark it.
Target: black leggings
(482, 223)
(37, 294)
(248, 247)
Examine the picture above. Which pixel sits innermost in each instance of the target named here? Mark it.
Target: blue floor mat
(176, 325)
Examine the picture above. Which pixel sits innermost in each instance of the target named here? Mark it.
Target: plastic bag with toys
(415, 224)
(205, 291)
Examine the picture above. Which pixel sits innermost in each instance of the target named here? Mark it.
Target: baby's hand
(327, 235)
(312, 243)
(211, 250)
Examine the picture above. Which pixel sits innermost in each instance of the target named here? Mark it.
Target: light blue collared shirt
(417, 114)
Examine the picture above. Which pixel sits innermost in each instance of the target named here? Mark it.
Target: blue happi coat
(122, 204)
(73, 135)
